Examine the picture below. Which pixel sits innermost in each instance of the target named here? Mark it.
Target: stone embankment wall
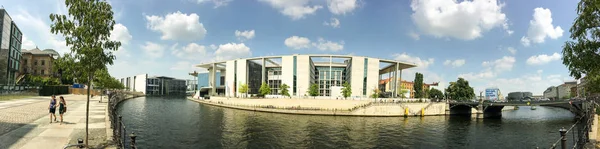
(330, 107)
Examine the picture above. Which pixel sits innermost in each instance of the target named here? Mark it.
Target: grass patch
(6, 97)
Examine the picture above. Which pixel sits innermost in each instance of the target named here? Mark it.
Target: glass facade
(328, 77)
(295, 78)
(10, 48)
(365, 77)
(274, 79)
(254, 77)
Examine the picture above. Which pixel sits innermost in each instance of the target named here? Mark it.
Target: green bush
(53, 90)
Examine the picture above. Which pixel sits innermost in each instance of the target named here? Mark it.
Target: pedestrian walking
(62, 108)
(52, 108)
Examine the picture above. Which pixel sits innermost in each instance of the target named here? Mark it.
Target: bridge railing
(578, 133)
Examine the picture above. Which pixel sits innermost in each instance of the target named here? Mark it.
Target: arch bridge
(494, 109)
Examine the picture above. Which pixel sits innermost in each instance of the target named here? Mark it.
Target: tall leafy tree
(460, 90)
(86, 29)
(264, 89)
(347, 90)
(313, 90)
(582, 55)
(285, 90)
(435, 94)
(418, 85)
(244, 89)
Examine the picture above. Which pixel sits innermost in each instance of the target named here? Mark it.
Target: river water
(180, 123)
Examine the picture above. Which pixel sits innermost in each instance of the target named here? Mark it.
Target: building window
(43, 62)
(35, 62)
(24, 61)
(42, 72)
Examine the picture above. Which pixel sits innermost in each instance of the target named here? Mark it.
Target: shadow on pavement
(17, 131)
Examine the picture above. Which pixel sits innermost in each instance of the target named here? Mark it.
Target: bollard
(80, 141)
(132, 136)
(563, 140)
(422, 112)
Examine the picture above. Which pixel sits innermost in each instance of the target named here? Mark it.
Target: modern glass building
(299, 72)
(10, 48)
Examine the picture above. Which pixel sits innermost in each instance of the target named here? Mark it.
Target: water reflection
(179, 123)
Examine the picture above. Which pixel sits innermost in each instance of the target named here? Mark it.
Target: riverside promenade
(329, 107)
(25, 124)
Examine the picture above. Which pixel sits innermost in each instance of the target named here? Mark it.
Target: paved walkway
(30, 127)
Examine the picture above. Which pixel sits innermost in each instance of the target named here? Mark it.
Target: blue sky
(507, 44)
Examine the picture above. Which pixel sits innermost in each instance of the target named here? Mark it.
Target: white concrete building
(156, 85)
(300, 71)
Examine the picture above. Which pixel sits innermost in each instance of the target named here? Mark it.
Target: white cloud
(177, 26)
(554, 76)
(295, 9)
(421, 63)
(153, 50)
(120, 33)
(341, 7)
(465, 20)
(486, 74)
(507, 29)
(217, 3)
(512, 50)
(27, 44)
(541, 27)
(455, 63)
(326, 45)
(191, 51)
(414, 35)
(296, 42)
(182, 65)
(334, 22)
(213, 46)
(48, 40)
(543, 59)
(232, 51)
(244, 35)
(503, 64)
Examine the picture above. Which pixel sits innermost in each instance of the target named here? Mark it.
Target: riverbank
(40, 133)
(331, 107)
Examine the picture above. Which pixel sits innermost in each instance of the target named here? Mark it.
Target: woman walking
(52, 108)
(62, 108)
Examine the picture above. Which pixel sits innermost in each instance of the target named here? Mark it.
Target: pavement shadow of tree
(19, 130)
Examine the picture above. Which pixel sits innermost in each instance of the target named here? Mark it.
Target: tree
(460, 90)
(285, 90)
(313, 90)
(582, 55)
(436, 94)
(375, 93)
(244, 89)
(264, 89)
(418, 86)
(87, 29)
(347, 90)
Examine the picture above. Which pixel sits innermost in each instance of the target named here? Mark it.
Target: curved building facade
(299, 72)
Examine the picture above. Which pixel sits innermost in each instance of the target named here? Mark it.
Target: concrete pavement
(40, 133)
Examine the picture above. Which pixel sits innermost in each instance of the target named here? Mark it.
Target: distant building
(518, 96)
(10, 48)
(493, 94)
(204, 86)
(386, 86)
(562, 91)
(155, 86)
(37, 62)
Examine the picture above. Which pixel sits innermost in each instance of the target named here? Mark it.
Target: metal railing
(578, 132)
(120, 136)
